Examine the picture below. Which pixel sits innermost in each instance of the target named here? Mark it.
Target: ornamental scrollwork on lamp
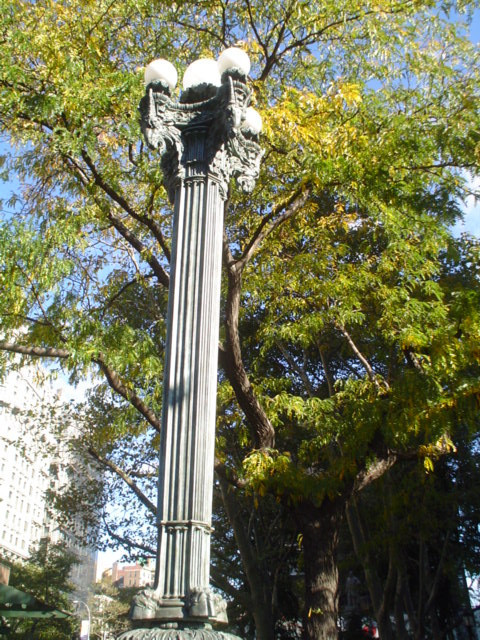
(213, 126)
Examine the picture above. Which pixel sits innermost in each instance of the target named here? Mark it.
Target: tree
(45, 575)
(109, 608)
(345, 347)
(414, 560)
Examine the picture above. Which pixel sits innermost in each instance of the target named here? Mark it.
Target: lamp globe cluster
(209, 72)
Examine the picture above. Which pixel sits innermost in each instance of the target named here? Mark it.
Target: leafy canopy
(355, 310)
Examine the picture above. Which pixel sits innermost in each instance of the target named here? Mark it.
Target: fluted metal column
(188, 426)
(203, 143)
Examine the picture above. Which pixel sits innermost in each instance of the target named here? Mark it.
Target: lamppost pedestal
(178, 633)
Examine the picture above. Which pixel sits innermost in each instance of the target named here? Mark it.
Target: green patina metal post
(205, 139)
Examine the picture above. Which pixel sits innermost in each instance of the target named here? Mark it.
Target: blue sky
(471, 208)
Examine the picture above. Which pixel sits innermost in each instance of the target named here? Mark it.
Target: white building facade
(28, 453)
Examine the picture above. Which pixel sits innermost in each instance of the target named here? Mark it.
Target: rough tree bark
(260, 588)
(375, 587)
(320, 527)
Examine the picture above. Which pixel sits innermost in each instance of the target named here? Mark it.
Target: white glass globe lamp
(234, 58)
(161, 70)
(202, 71)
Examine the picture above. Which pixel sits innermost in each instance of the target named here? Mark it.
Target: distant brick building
(134, 575)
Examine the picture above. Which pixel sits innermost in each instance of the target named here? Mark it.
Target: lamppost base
(172, 632)
(199, 606)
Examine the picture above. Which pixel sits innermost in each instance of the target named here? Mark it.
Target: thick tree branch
(388, 587)
(374, 471)
(231, 360)
(117, 384)
(221, 582)
(413, 361)
(257, 579)
(158, 234)
(109, 464)
(122, 202)
(229, 475)
(326, 370)
(36, 352)
(364, 552)
(438, 573)
(112, 377)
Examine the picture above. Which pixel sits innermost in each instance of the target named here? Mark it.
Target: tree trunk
(259, 583)
(364, 553)
(320, 528)
(399, 607)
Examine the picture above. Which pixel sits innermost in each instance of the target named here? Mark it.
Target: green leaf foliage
(45, 575)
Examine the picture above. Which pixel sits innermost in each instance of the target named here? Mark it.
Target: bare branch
(137, 244)
(211, 32)
(121, 201)
(125, 477)
(360, 356)
(255, 30)
(120, 292)
(272, 221)
(117, 384)
(313, 37)
(299, 370)
(112, 377)
(126, 542)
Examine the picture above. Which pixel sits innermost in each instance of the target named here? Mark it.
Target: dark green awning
(18, 604)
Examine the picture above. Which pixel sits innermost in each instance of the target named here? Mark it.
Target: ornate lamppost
(86, 624)
(209, 136)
